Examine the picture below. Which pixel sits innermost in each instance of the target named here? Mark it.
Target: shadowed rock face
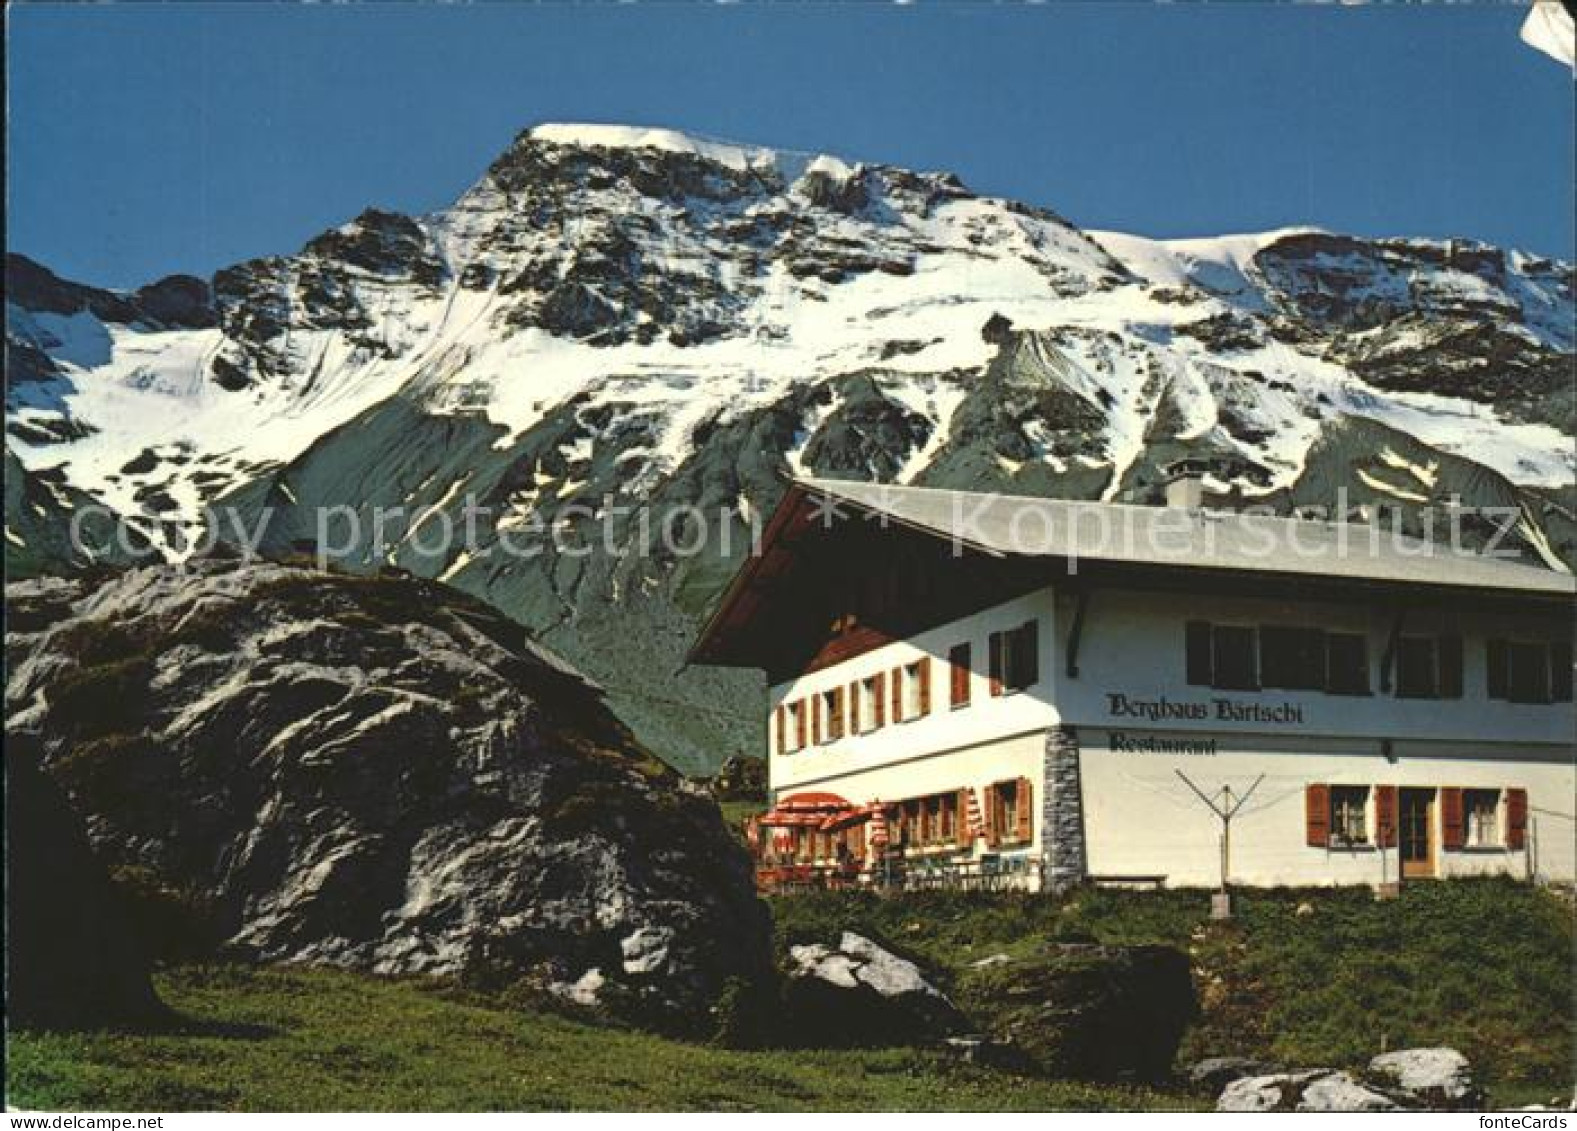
(380, 774)
(73, 957)
(1096, 1012)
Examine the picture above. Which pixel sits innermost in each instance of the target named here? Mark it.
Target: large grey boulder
(856, 993)
(378, 773)
(1087, 1010)
(1318, 1090)
(1436, 1078)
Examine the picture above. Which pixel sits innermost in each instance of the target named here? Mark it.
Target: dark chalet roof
(1174, 547)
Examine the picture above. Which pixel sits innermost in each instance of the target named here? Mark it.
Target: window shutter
(1317, 815)
(1197, 647)
(1027, 661)
(815, 718)
(799, 723)
(1495, 669)
(1516, 819)
(1385, 815)
(1024, 826)
(835, 724)
(993, 817)
(994, 662)
(924, 672)
(1453, 832)
(961, 820)
(854, 708)
(958, 665)
(1561, 671)
(1451, 667)
(782, 732)
(896, 686)
(879, 708)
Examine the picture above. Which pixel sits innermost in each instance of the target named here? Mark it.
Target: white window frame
(1338, 831)
(1471, 837)
(909, 698)
(793, 714)
(870, 696)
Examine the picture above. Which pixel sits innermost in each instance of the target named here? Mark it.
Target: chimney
(1186, 489)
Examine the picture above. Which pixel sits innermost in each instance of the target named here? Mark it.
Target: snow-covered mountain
(615, 317)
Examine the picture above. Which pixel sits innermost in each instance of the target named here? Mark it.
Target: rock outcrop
(1436, 1078)
(378, 773)
(1317, 1090)
(1087, 1010)
(856, 993)
(1422, 1079)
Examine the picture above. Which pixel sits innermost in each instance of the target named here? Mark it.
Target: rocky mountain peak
(644, 318)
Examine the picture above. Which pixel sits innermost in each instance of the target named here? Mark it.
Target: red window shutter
(994, 662)
(1024, 826)
(993, 816)
(961, 819)
(782, 732)
(815, 719)
(1453, 830)
(881, 700)
(835, 715)
(958, 662)
(799, 722)
(924, 673)
(1516, 819)
(897, 694)
(1317, 815)
(1385, 815)
(854, 708)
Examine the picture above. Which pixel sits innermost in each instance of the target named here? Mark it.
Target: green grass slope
(300, 1040)
(1309, 978)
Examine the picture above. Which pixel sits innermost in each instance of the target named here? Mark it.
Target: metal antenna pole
(1224, 809)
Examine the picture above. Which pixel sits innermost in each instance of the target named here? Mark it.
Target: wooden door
(1416, 833)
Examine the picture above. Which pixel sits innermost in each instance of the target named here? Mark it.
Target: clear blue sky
(146, 140)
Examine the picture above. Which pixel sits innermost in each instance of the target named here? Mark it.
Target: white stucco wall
(1141, 818)
(1133, 645)
(984, 721)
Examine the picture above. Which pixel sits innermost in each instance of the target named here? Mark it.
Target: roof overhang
(1403, 571)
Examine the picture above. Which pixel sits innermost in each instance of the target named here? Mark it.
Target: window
(1015, 658)
(1232, 658)
(1009, 819)
(1221, 656)
(871, 708)
(958, 663)
(832, 713)
(1240, 658)
(1529, 672)
(1429, 667)
(1561, 671)
(1292, 658)
(1349, 815)
(911, 690)
(1346, 664)
(1481, 808)
(796, 725)
(1415, 668)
